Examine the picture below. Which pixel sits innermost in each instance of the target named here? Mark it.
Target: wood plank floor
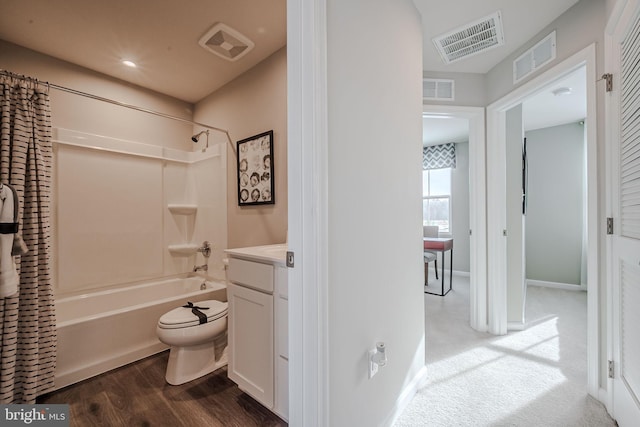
(137, 395)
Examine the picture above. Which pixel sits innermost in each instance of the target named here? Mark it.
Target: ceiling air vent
(540, 54)
(476, 37)
(438, 89)
(226, 42)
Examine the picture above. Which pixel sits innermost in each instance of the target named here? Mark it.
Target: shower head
(196, 137)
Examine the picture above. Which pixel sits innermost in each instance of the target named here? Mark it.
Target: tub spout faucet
(203, 267)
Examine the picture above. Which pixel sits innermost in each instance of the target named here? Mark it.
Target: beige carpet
(535, 377)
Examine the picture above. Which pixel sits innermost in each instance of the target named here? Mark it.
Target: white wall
(554, 220)
(375, 214)
(251, 104)
(515, 225)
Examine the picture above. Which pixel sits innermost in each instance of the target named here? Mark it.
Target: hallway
(535, 377)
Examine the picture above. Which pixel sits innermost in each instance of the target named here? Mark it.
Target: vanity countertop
(276, 254)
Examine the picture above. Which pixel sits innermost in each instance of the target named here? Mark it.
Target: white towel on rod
(8, 276)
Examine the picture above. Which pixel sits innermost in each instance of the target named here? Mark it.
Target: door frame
(477, 207)
(307, 142)
(496, 202)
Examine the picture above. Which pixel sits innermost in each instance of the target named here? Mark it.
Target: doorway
(554, 201)
(498, 226)
(474, 116)
(546, 193)
(445, 192)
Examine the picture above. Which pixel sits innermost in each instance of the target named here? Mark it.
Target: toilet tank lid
(183, 317)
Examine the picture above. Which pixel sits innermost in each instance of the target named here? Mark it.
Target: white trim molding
(555, 285)
(308, 212)
(496, 145)
(496, 222)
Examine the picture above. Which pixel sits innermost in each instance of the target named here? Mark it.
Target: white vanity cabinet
(257, 292)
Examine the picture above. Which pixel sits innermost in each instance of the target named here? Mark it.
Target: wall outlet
(373, 367)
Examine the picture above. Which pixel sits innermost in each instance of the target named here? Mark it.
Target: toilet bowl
(198, 347)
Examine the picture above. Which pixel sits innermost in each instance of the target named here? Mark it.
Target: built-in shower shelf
(182, 208)
(184, 249)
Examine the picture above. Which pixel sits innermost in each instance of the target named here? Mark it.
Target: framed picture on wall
(255, 170)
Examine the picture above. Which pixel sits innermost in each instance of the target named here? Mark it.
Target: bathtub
(104, 330)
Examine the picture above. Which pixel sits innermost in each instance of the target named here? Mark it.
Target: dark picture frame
(255, 170)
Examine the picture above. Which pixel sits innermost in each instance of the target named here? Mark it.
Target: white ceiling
(545, 109)
(441, 130)
(162, 35)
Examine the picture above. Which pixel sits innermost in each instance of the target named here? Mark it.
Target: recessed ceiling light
(129, 63)
(562, 91)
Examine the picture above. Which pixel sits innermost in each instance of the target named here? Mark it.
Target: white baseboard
(461, 273)
(515, 326)
(406, 396)
(556, 285)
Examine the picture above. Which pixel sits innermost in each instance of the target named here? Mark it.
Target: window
(436, 198)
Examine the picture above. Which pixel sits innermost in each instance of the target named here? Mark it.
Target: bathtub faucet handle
(205, 249)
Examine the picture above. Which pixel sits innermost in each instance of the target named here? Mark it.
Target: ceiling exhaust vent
(472, 39)
(438, 89)
(226, 42)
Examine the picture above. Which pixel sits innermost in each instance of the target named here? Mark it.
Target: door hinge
(611, 369)
(290, 259)
(608, 77)
(470, 232)
(609, 225)
(504, 232)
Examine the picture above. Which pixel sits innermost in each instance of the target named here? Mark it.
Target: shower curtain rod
(114, 102)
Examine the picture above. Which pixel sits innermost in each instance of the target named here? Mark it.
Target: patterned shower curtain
(27, 318)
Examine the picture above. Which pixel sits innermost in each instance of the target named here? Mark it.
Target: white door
(624, 124)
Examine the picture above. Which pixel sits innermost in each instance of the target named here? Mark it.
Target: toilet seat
(183, 317)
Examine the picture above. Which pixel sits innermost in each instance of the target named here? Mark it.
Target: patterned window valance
(439, 156)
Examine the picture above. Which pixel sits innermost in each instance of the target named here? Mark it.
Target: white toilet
(196, 348)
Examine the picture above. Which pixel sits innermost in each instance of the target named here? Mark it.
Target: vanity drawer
(251, 274)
